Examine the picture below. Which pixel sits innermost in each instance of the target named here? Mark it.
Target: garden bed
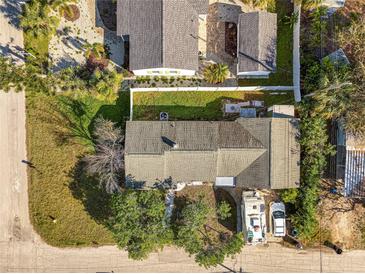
(197, 105)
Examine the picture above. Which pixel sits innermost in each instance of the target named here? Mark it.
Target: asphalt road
(21, 249)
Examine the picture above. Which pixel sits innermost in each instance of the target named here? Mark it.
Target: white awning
(225, 181)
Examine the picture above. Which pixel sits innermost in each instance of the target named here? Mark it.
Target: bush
(289, 196)
(216, 73)
(223, 210)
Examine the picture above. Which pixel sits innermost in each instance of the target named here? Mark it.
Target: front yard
(197, 105)
(66, 208)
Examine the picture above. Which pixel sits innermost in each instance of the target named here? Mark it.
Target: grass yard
(196, 105)
(284, 60)
(66, 207)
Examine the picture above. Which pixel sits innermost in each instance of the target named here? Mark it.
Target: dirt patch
(343, 218)
(211, 198)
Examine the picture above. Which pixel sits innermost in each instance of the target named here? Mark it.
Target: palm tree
(216, 73)
(35, 19)
(62, 6)
(95, 50)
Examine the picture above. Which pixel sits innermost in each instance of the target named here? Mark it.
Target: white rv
(253, 217)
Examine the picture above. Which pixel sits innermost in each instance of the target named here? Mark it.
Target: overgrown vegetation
(333, 92)
(197, 229)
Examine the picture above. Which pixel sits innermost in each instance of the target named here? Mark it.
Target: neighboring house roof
(162, 33)
(257, 35)
(259, 153)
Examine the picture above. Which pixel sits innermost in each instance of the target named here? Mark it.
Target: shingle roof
(257, 35)
(162, 33)
(258, 152)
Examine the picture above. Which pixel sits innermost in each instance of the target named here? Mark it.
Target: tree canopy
(138, 222)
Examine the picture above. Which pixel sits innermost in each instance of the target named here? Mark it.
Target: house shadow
(222, 195)
(106, 18)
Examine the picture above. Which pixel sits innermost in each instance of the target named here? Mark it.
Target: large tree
(108, 161)
(209, 249)
(139, 223)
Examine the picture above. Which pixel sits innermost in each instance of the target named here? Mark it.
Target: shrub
(223, 210)
(216, 73)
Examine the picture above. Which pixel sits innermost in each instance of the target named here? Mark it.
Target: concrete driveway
(21, 249)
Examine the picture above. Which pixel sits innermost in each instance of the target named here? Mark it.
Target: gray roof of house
(260, 153)
(162, 33)
(257, 35)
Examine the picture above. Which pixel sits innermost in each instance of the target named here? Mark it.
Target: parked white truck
(253, 217)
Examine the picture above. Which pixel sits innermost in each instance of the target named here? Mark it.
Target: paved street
(21, 250)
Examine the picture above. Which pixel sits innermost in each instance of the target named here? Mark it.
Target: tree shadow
(222, 195)
(118, 112)
(12, 9)
(94, 198)
(15, 52)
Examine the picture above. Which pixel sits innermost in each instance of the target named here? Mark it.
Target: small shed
(282, 111)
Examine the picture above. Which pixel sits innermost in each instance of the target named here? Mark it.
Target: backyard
(197, 105)
(66, 207)
(284, 59)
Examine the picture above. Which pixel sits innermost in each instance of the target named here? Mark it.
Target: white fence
(253, 88)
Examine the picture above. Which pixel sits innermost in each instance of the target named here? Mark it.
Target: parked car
(253, 217)
(277, 213)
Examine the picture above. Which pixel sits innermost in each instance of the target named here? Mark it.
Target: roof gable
(162, 33)
(257, 33)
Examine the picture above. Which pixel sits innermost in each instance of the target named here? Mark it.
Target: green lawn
(284, 61)
(66, 207)
(193, 105)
